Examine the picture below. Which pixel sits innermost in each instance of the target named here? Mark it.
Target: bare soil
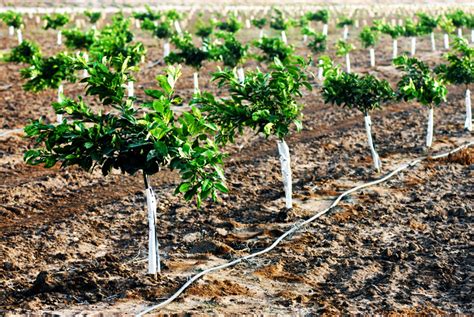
(71, 241)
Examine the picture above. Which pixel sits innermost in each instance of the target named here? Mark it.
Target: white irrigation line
(296, 227)
(11, 132)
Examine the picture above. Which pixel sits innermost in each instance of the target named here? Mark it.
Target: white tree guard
(11, 30)
(320, 70)
(375, 157)
(413, 46)
(433, 42)
(305, 38)
(283, 37)
(19, 34)
(468, 123)
(429, 133)
(348, 63)
(446, 41)
(247, 24)
(196, 82)
(356, 23)
(241, 74)
(86, 73)
(345, 34)
(154, 265)
(285, 162)
(137, 23)
(177, 27)
(325, 29)
(459, 32)
(37, 19)
(395, 49)
(372, 57)
(261, 33)
(166, 49)
(472, 36)
(59, 117)
(60, 38)
(130, 89)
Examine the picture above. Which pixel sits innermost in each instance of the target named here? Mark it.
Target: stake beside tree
(259, 24)
(420, 83)
(369, 38)
(132, 140)
(344, 48)
(426, 25)
(394, 32)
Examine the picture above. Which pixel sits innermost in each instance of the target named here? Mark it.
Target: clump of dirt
(463, 157)
(216, 288)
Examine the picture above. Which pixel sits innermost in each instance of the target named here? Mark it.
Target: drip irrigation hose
(297, 226)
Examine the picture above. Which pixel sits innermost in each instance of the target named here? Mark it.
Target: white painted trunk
(468, 123)
(11, 30)
(196, 82)
(356, 23)
(130, 89)
(375, 157)
(348, 63)
(325, 29)
(177, 27)
(283, 37)
(137, 24)
(459, 32)
(166, 49)
(19, 34)
(59, 117)
(241, 74)
(261, 33)
(247, 24)
(413, 46)
(346, 32)
(429, 134)
(60, 38)
(153, 246)
(446, 41)
(395, 49)
(372, 57)
(285, 162)
(433, 42)
(305, 38)
(320, 70)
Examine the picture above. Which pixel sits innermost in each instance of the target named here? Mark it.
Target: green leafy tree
(77, 39)
(278, 21)
(23, 53)
(231, 24)
(321, 15)
(420, 83)
(344, 48)
(93, 16)
(48, 72)
(344, 21)
(363, 92)
(259, 23)
(12, 19)
(148, 14)
(204, 31)
(55, 21)
(273, 47)
(458, 17)
(231, 51)
(459, 70)
(133, 138)
(426, 24)
(318, 43)
(187, 53)
(263, 102)
(368, 37)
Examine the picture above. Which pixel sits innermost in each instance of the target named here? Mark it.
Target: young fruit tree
(322, 16)
(344, 23)
(79, 40)
(369, 37)
(186, 52)
(264, 102)
(93, 17)
(363, 92)
(231, 52)
(55, 22)
(426, 25)
(459, 20)
(411, 30)
(259, 24)
(162, 30)
(394, 32)
(421, 84)
(280, 23)
(344, 48)
(49, 72)
(23, 53)
(132, 138)
(273, 47)
(460, 71)
(448, 28)
(231, 24)
(14, 21)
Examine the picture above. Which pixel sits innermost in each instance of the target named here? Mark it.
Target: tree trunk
(285, 162)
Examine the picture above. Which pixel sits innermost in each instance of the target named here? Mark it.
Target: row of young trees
(145, 136)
